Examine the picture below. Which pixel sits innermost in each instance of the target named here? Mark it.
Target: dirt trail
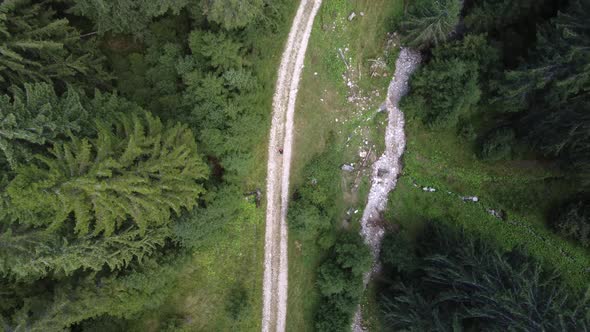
(387, 169)
(274, 307)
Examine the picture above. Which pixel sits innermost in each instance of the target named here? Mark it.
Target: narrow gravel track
(274, 307)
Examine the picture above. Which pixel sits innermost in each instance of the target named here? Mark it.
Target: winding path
(274, 306)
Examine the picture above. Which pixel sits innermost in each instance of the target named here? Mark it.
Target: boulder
(347, 168)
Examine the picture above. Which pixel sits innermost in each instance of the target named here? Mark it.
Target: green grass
(525, 190)
(322, 99)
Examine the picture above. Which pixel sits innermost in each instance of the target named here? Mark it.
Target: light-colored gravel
(274, 307)
(389, 163)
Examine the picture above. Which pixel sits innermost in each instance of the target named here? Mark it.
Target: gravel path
(274, 307)
(389, 164)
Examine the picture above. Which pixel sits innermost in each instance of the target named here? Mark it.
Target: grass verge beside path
(324, 108)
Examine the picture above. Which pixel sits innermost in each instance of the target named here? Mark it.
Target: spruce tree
(34, 117)
(137, 170)
(36, 46)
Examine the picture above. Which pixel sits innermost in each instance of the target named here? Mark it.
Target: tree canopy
(35, 46)
(430, 22)
(464, 283)
(136, 169)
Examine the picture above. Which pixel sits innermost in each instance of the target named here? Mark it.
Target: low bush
(573, 221)
(340, 280)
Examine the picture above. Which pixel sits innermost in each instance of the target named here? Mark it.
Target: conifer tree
(126, 16)
(34, 117)
(137, 170)
(35, 46)
(431, 22)
(232, 14)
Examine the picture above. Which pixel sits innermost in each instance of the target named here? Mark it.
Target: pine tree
(35, 46)
(126, 16)
(232, 14)
(430, 22)
(34, 117)
(75, 300)
(136, 170)
(465, 283)
(39, 253)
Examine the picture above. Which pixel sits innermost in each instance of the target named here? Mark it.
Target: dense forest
(510, 81)
(127, 134)
(453, 281)
(132, 130)
(511, 77)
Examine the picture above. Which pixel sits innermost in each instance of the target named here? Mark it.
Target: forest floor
(274, 310)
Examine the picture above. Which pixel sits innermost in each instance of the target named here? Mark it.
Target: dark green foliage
(444, 90)
(217, 50)
(223, 205)
(136, 169)
(448, 87)
(37, 254)
(464, 283)
(340, 280)
(313, 211)
(237, 302)
(98, 196)
(487, 15)
(126, 16)
(573, 221)
(397, 251)
(553, 89)
(498, 144)
(35, 117)
(120, 296)
(430, 22)
(36, 46)
(232, 14)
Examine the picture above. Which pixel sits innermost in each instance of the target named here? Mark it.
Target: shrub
(340, 280)
(237, 302)
(497, 145)
(573, 221)
(397, 252)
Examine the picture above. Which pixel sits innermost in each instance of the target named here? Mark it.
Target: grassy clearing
(524, 190)
(323, 108)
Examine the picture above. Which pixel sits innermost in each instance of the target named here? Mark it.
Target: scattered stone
(363, 154)
(381, 172)
(351, 16)
(496, 214)
(315, 74)
(429, 189)
(347, 168)
(362, 13)
(474, 199)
